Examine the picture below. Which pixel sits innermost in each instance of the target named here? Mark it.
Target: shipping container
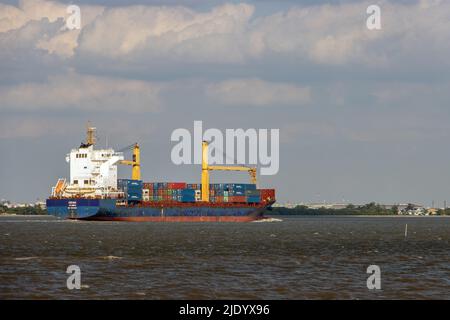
(239, 199)
(134, 197)
(254, 199)
(250, 193)
(177, 185)
(267, 195)
(128, 184)
(188, 195)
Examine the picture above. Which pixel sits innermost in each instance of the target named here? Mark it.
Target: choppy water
(297, 258)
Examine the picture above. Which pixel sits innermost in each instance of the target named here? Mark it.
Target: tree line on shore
(367, 209)
(28, 210)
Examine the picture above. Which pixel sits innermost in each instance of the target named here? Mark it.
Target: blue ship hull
(110, 210)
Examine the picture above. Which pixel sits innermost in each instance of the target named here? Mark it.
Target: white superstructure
(93, 169)
(93, 172)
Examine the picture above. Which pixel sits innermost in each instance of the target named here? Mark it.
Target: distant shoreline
(370, 209)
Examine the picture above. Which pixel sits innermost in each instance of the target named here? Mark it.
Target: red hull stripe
(180, 219)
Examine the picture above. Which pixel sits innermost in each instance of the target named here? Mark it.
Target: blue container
(131, 187)
(243, 186)
(134, 197)
(133, 192)
(188, 192)
(187, 199)
(252, 192)
(187, 195)
(254, 199)
(129, 184)
(134, 183)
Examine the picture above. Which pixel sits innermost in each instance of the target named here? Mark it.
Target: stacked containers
(135, 190)
(131, 188)
(164, 191)
(233, 192)
(253, 196)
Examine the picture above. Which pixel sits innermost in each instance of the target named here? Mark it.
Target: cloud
(81, 92)
(38, 13)
(257, 93)
(144, 37)
(173, 33)
(231, 34)
(12, 17)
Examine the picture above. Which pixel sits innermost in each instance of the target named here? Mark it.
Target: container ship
(94, 192)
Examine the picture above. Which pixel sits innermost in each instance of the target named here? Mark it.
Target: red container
(176, 185)
(267, 195)
(237, 199)
(148, 185)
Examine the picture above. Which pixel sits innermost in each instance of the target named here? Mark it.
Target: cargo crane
(206, 168)
(135, 163)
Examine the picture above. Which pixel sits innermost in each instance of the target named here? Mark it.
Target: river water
(296, 258)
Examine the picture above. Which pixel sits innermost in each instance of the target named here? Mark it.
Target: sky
(363, 114)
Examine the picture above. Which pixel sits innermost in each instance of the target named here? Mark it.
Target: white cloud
(257, 93)
(12, 17)
(169, 32)
(322, 34)
(60, 41)
(81, 92)
(231, 34)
